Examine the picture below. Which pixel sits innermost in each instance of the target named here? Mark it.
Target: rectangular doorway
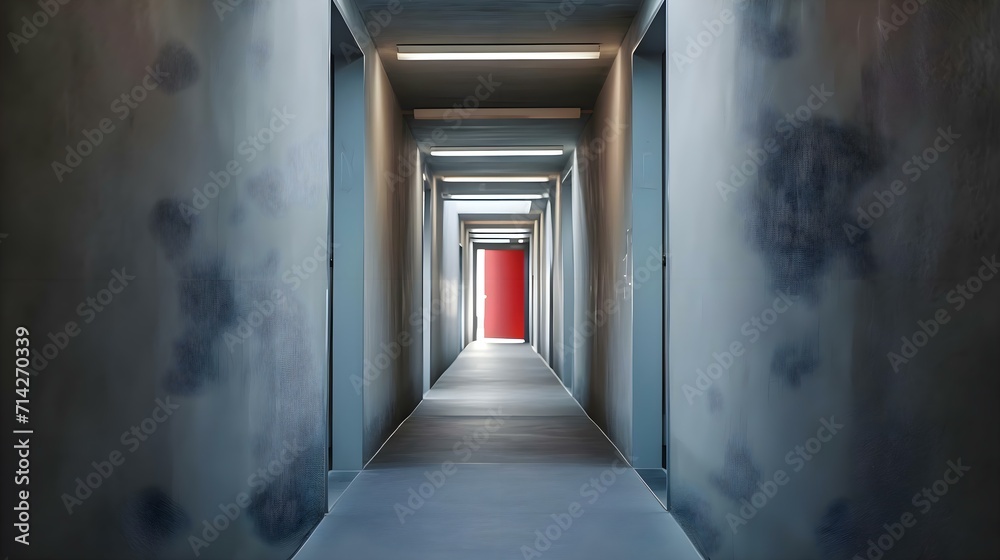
(504, 294)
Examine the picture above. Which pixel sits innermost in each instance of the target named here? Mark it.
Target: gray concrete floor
(498, 462)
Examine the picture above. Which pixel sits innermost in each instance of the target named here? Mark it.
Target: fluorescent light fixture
(492, 240)
(500, 230)
(495, 179)
(485, 113)
(498, 151)
(500, 235)
(498, 52)
(496, 196)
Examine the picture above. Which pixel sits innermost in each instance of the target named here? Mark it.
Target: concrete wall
(602, 225)
(393, 277)
(603, 175)
(176, 263)
(802, 424)
(446, 334)
(562, 281)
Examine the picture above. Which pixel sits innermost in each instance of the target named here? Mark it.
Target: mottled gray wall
(601, 336)
(797, 428)
(602, 329)
(393, 277)
(177, 268)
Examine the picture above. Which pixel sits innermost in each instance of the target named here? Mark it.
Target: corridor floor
(497, 462)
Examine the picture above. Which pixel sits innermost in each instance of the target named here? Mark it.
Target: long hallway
(266, 267)
(498, 461)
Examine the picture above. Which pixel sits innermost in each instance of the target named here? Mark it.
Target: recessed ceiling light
(514, 238)
(500, 230)
(498, 52)
(495, 179)
(496, 196)
(498, 151)
(482, 113)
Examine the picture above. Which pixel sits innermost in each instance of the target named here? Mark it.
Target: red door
(503, 286)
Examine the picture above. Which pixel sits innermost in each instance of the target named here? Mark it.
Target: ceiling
(431, 84)
(422, 84)
(535, 132)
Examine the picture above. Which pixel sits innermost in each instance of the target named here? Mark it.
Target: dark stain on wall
(283, 508)
(740, 475)
(192, 368)
(835, 534)
(800, 206)
(206, 300)
(171, 229)
(794, 360)
(765, 30)
(150, 519)
(208, 306)
(179, 65)
(695, 516)
(206, 295)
